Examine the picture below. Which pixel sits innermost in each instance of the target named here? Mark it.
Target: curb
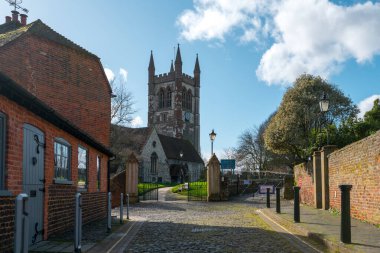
(297, 229)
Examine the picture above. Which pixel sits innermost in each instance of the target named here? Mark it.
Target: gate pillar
(131, 178)
(213, 179)
(326, 151)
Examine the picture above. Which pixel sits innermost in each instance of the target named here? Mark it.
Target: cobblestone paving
(203, 227)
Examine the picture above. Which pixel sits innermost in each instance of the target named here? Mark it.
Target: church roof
(173, 146)
(12, 30)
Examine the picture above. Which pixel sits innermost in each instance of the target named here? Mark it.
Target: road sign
(227, 164)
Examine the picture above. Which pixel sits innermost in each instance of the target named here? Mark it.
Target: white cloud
(309, 36)
(137, 122)
(123, 74)
(110, 75)
(366, 105)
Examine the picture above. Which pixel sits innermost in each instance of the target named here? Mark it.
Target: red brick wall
(117, 187)
(358, 164)
(61, 206)
(71, 82)
(303, 178)
(17, 116)
(7, 214)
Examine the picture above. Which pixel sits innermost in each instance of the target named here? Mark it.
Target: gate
(197, 185)
(34, 179)
(148, 186)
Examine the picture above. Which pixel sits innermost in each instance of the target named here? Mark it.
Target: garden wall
(303, 177)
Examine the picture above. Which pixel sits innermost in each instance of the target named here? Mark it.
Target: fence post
(78, 223)
(109, 213)
(268, 198)
(121, 208)
(278, 204)
(296, 203)
(345, 222)
(127, 206)
(21, 242)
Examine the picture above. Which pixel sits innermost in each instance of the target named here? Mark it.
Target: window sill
(63, 181)
(5, 193)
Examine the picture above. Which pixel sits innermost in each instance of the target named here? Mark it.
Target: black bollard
(268, 198)
(278, 204)
(345, 222)
(296, 203)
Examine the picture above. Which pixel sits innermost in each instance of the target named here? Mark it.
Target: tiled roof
(173, 146)
(11, 31)
(131, 139)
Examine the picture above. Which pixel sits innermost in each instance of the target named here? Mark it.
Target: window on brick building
(153, 163)
(98, 168)
(2, 150)
(82, 167)
(62, 159)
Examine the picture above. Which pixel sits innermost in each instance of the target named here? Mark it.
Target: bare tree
(122, 102)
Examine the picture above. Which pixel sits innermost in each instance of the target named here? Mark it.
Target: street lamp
(182, 174)
(212, 138)
(324, 107)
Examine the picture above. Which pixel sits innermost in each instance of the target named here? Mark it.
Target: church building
(173, 102)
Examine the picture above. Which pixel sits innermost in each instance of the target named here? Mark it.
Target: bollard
(121, 208)
(78, 223)
(345, 222)
(268, 198)
(127, 206)
(21, 235)
(109, 213)
(278, 204)
(296, 203)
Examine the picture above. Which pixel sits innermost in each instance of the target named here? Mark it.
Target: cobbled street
(180, 226)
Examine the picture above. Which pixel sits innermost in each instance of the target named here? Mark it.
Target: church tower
(173, 101)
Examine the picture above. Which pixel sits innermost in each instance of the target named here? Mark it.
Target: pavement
(242, 225)
(323, 227)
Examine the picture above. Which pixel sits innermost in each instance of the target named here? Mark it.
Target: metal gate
(148, 186)
(34, 179)
(197, 185)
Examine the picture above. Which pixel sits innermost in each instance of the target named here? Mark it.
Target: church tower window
(184, 98)
(169, 98)
(189, 100)
(161, 100)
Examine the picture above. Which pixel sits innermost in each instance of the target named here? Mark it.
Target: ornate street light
(324, 104)
(212, 138)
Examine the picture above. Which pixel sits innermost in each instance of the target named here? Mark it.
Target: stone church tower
(173, 102)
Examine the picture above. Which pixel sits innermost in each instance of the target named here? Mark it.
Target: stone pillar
(131, 178)
(317, 175)
(213, 179)
(326, 151)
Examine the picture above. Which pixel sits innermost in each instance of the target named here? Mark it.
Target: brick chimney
(23, 18)
(8, 19)
(15, 16)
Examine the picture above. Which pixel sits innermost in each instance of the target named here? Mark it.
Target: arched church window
(184, 98)
(169, 98)
(189, 100)
(153, 163)
(161, 100)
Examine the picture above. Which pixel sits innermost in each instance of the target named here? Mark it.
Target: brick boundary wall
(62, 207)
(303, 178)
(7, 220)
(358, 164)
(117, 187)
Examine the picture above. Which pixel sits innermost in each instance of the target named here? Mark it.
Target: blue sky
(249, 51)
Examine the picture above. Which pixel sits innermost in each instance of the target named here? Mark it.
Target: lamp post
(324, 107)
(182, 174)
(212, 138)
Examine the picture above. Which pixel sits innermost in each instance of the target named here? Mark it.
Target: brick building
(54, 129)
(174, 97)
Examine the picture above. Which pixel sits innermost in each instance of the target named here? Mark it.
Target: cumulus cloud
(109, 73)
(137, 122)
(309, 36)
(366, 104)
(123, 74)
